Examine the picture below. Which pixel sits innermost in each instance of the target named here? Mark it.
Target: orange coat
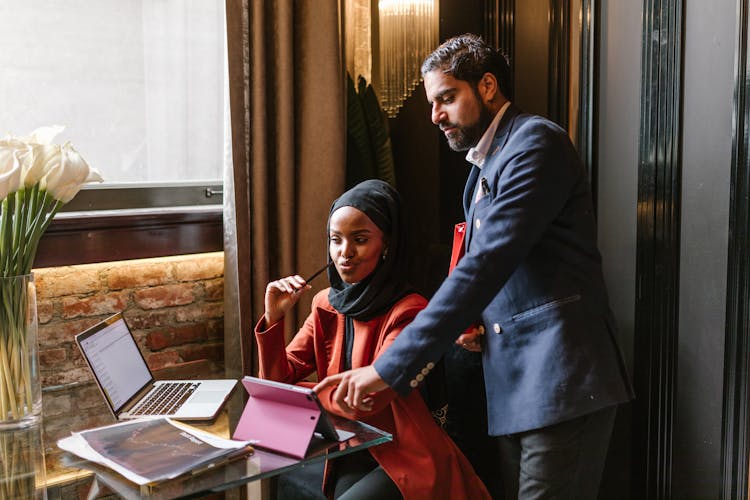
(422, 460)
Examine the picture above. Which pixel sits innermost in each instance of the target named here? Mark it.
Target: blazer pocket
(545, 307)
(481, 206)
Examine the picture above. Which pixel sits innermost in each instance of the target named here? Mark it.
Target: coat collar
(504, 129)
(478, 153)
(333, 323)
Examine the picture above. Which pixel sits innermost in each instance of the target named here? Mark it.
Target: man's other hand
(471, 339)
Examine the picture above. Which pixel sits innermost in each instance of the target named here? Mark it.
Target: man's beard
(467, 136)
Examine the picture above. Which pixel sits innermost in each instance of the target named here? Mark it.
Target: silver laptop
(129, 387)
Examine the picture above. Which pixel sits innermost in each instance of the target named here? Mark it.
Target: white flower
(65, 178)
(43, 135)
(36, 179)
(34, 153)
(39, 162)
(10, 166)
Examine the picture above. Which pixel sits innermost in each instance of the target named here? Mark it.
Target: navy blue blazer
(532, 272)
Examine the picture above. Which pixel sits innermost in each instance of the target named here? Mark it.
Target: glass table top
(260, 464)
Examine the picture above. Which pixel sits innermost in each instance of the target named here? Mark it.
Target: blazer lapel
(469, 204)
(469, 189)
(503, 131)
(334, 325)
(501, 137)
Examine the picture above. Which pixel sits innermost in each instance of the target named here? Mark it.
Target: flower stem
(16, 392)
(8, 391)
(7, 235)
(18, 234)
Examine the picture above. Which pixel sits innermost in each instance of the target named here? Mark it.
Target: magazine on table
(150, 451)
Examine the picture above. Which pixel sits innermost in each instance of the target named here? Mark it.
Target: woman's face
(356, 244)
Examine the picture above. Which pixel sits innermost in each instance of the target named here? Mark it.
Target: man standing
(532, 272)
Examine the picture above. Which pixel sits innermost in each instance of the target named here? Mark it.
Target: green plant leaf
(359, 152)
(377, 123)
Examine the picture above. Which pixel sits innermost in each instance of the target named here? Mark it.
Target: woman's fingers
(290, 284)
(281, 295)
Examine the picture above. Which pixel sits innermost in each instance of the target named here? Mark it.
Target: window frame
(113, 235)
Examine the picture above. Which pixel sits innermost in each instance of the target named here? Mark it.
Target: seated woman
(351, 324)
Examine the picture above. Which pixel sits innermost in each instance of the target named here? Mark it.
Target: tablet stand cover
(279, 420)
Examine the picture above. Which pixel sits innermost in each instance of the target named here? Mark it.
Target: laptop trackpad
(206, 397)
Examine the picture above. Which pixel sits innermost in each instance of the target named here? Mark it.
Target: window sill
(111, 235)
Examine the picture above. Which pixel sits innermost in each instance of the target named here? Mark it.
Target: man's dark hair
(467, 57)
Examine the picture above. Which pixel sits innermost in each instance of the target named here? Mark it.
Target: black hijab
(387, 283)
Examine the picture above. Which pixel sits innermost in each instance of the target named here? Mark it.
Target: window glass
(138, 85)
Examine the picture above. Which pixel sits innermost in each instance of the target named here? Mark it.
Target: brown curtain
(287, 106)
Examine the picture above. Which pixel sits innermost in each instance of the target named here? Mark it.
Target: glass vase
(20, 387)
(22, 464)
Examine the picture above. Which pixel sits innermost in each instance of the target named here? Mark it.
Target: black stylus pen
(316, 273)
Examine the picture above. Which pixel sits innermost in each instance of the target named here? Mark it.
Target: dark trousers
(562, 461)
(355, 477)
(359, 477)
(467, 415)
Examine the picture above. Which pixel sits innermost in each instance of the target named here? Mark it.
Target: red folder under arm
(459, 235)
(458, 251)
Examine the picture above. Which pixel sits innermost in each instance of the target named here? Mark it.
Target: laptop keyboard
(165, 399)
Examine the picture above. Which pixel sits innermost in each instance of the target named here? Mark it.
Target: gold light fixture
(408, 33)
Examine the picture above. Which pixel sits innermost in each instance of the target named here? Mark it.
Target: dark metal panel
(531, 77)
(588, 122)
(657, 254)
(559, 57)
(136, 234)
(125, 196)
(735, 446)
(706, 163)
(499, 27)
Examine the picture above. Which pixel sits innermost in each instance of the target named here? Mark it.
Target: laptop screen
(115, 360)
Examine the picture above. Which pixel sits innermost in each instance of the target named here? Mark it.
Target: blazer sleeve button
(413, 384)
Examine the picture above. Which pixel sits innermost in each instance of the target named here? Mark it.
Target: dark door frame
(736, 418)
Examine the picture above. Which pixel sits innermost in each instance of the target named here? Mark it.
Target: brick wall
(174, 306)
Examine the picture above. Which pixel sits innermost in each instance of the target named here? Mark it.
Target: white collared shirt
(478, 153)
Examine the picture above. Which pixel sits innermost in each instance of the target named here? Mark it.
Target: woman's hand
(281, 295)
